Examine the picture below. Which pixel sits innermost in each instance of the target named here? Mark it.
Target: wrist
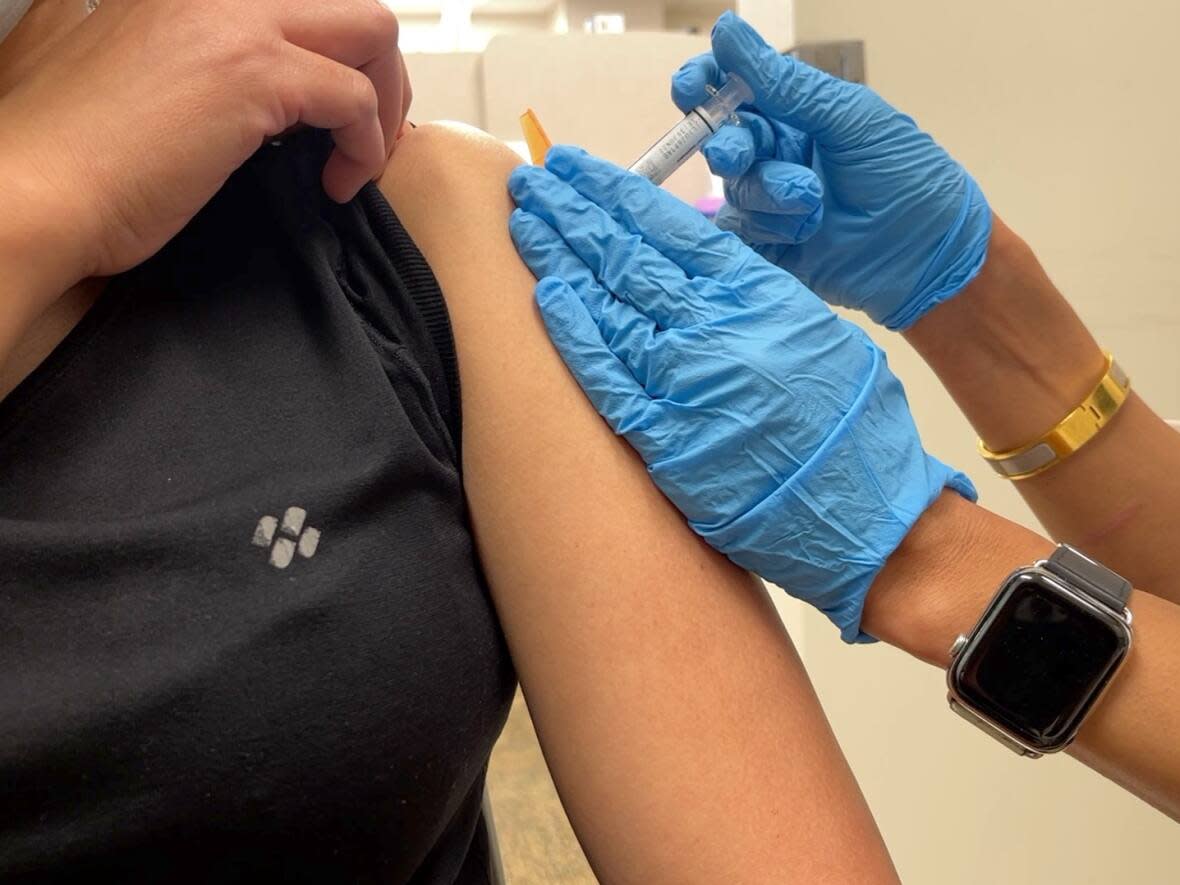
(988, 347)
(939, 580)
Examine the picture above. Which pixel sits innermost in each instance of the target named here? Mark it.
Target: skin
(937, 584)
(987, 347)
(97, 118)
(682, 731)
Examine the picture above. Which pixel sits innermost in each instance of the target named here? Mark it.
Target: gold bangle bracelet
(1075, 430)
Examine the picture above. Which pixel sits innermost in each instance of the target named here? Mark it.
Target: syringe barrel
(673, 149)
(686, 137)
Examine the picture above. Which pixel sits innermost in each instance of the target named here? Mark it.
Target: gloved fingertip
(515, 174)
(688, 85)
(520, 224)
(741, 50)
(555, 301)
(562, 158)
(724, 21)
(552, 292)
(520, 181)
(716, 159)
(732, 26)
(720, 163)
(731, 29)
(730, 152)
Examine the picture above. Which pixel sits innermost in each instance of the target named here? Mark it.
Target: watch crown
(958, 645)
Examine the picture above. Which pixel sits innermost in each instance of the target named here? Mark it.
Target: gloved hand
(775, 426)
(904, 226)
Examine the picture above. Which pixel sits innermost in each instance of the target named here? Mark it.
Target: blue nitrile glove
(775, 426)
(904, 226)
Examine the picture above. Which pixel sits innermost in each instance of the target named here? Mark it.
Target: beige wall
(447, 86)
(608, 93)
(617, 113)
(641, 15)
(695, 17)
(1065, 113)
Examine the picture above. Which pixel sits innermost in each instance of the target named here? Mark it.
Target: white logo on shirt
(292, 537)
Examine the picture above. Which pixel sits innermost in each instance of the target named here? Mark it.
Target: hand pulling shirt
(243, 631)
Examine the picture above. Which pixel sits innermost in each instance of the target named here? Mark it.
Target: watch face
(1039, 660)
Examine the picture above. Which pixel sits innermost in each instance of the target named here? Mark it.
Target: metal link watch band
(1090, 577)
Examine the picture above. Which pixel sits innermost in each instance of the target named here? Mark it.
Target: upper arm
(682, 732)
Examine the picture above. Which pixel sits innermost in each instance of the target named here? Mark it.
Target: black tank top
(243, 631)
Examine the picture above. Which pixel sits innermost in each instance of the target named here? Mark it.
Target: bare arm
(27, 282)
(937, 584)
(1017, 359)
(40, 296)
(683, 734)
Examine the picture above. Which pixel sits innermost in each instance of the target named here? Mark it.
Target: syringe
(686, 137)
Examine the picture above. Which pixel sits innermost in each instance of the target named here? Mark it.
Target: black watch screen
(1040, 661)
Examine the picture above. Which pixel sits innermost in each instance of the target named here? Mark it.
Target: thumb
(784, 88)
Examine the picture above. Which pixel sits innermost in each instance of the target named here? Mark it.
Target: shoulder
(448, 167)
(448, 184)
(427, 140)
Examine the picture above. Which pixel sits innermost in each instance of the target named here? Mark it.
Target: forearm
(936, 586)
(1017, 359)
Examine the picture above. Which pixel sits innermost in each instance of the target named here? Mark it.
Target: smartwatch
(1049, 643)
